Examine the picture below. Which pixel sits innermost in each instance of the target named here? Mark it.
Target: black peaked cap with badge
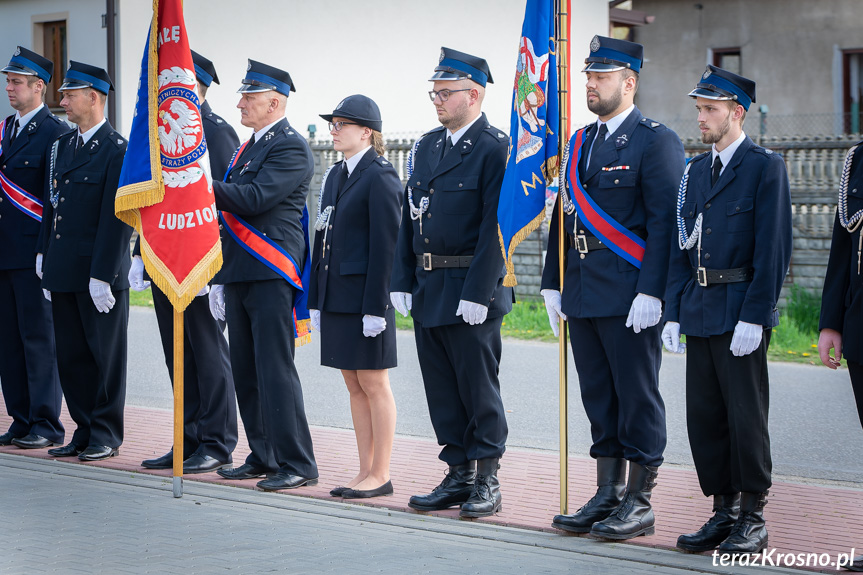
(359, 108)
(455, 65)
(29, 63)
(263, 78)
(611, 55)
(81, 75)
(719, 84)
(205, 71)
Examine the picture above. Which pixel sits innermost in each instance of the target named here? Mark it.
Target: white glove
(100, 293)
(204, 291)
(39, 265)
(472, 313)
(671, 337)
(373, 325)
(645, 312)
(47, 294)
(315, 319)
(552, 308)
(746, 339)
(402, 301)
(217, 301)
(136, 275)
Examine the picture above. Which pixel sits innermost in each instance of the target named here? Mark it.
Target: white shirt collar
(615, 122)
(456, 136)
(89, 133)
(23, 120)
(352, 162)
(260, 133)
(726, 154)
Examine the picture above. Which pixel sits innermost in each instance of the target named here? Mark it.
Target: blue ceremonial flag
(533, 139)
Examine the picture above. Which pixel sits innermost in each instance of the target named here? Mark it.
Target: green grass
(141, 298)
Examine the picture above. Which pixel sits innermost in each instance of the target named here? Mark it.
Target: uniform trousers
(460, 365)
(727, 400)
(209, 401)
(269, 393)
(91, 360)
(856, 371)
(618, 373)
(28, 365)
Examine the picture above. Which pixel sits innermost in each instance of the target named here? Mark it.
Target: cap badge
(339, 107)
(706, 74)
(249, 67)
(18, 51)
(442, 55)
(594, 44)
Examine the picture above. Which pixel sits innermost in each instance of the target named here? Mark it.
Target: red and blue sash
(619, 239)
(277, 259)
(20, 198)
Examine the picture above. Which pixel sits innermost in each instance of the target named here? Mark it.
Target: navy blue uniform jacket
(747, 224)
(268, 190)
(88, 240)
(222, 140)
(842, 299)
(641, 196)
(354, 275)
(463, 191)
(25, 162)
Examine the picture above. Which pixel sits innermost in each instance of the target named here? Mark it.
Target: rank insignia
(268, 136)
(220, 121)
(94, 144)
(120, 141)
(621, 141)
(654, 124)
(467, 142)
(31, 126)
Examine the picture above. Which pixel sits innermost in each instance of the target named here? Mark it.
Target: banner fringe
(509, 279)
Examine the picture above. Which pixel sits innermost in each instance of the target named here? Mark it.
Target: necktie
(717, 167)
(343, 178)
(80, 144)
(14, 133)
(448, 146)
(245, 151)
(597, 142)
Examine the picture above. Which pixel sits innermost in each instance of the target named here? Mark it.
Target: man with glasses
(264, 244)
(448, 272)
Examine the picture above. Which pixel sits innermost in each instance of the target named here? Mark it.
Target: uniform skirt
(343, 345)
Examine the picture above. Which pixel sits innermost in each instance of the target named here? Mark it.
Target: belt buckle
(701, 274)
(427, 262)
(581, 243)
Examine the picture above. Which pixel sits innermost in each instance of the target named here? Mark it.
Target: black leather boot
(634, 516)
(611, 482)
(455, 489)
(726, 509)
(485, 498)
(749, 534)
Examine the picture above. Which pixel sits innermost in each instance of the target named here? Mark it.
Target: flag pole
(562, 47)
(178, 403)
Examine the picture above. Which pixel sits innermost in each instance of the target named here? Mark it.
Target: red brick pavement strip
(801, 518)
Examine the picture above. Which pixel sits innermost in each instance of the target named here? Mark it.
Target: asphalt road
(814, 427)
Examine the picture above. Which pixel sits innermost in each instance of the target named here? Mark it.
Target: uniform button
(616, 181)
(85, 178)
(854, 191)
(460, 184)
(707, 256)
(737, 209)
(328, 246)
(581, 256)
(265, 233)
(221, 227)
(431, 191)
(67, 181)
(708, 231)
(57, 237)
(428, 215)
(59, 218)
(62, 199)
(426, 240)
(326, 267)
(26, 163)
(419, 183)
(707, 206)
(331, 227)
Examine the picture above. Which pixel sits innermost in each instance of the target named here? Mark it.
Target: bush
(803, 309)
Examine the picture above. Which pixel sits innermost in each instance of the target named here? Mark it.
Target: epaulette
(432, 131)
(700, 156)
(117, 139)
(382, 161)
(766, 151)
(56, 119)
(494, 132)
(648, 123)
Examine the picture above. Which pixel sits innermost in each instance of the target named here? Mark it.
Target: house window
(852, 84)
(54, 48)
(727, 59)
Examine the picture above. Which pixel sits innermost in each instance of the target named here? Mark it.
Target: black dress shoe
(33, 441)
(70, 450)
(286, 481)
(98, 452)
(385, 489)
(200, 463)
(856, 564)
(245, 471)
(337, 491)
(6, 438)
(164, 462)
(455, 489)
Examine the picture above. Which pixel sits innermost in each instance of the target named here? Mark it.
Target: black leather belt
(705, 277)
(584, 243)
(430, 262)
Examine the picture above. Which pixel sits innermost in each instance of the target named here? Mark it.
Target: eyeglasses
(337, 126)
(445, 94)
